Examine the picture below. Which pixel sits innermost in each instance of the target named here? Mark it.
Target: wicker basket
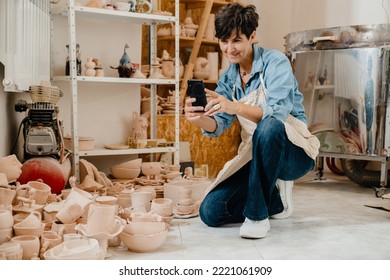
(45, 94)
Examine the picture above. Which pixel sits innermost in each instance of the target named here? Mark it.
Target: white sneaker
(254, 229)
(285, 191)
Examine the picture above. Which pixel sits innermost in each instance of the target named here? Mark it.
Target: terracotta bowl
(185, 209)
(134, 163)
(145, 228)
(125, 173)
(37, 231)
(143, 243)
(151, 168)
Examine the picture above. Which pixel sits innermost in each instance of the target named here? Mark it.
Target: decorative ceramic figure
(124, 68)
(168, 69)
(202, 68)
(189, 27)
(310, 80)
(90, 67)
(98, 68)
(78, 61)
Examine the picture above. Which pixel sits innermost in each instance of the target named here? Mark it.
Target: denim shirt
(283, 97)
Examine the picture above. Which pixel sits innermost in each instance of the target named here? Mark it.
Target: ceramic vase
(210, 29)
(212, 58)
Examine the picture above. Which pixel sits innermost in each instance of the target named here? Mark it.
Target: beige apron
(296, 131)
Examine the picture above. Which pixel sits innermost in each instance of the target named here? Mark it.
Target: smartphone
(195, 89)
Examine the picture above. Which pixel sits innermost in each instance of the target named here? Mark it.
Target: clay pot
(151, 169)
(6, 219)
(162, 206)
(140, 200)
(30, 245)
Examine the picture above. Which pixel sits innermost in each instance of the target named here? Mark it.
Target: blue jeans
(251, 192)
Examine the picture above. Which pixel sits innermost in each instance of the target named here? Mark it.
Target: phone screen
(195, 89)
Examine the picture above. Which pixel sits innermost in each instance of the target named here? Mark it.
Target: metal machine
(344, 75)
(42, 130)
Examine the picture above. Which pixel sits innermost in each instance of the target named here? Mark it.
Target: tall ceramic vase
(210, 29)
(212, 57)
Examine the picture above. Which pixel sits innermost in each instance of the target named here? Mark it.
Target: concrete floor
(330, 222)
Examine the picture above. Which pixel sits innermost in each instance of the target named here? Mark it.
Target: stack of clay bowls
(144, 233)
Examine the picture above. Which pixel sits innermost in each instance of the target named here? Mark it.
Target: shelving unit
(208, 6)
(196, 43)
(105, 15)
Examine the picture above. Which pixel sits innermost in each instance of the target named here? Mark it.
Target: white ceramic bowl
(144, 228)
(76, 249)
(141, 243)
(125, 173)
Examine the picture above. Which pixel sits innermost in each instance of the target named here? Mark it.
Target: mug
(30, 245)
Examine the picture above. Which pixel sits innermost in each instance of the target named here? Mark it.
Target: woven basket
(45, 94)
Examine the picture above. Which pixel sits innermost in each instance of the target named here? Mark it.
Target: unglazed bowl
(141, 243)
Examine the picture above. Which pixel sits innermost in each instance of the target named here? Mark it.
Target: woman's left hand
(219, 104)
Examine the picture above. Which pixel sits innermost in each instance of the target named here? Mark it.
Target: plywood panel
(204, 150)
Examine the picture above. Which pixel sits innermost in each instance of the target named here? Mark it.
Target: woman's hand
(219, 104)
(192, 113)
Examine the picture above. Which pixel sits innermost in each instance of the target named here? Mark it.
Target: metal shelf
(116, 80)
(110, 15)
(108, 152)
(104, 15)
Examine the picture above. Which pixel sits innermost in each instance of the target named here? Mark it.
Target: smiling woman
(259, 89)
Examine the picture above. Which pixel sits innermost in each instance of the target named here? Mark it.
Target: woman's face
(237, 48)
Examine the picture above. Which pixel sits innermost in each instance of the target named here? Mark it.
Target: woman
(260, 90)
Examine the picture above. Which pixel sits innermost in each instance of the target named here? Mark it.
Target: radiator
(24, 43)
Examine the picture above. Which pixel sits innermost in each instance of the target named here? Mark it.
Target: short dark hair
(235, 17)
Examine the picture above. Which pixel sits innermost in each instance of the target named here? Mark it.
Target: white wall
(280, 17)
